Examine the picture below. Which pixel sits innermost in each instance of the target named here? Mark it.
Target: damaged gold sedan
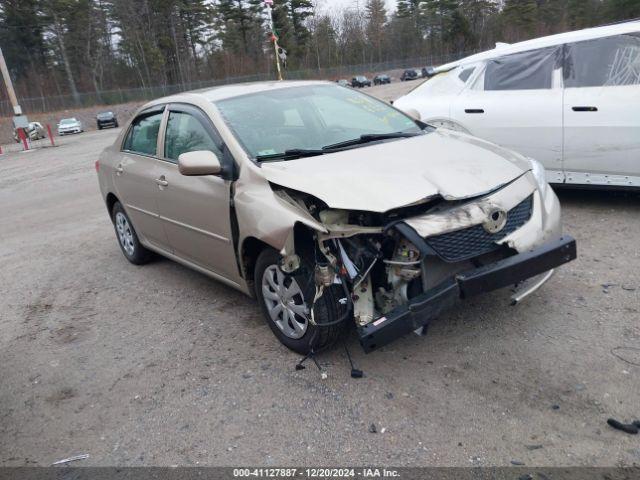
(334, 209)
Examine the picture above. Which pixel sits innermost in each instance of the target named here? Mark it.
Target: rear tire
(284, 328)
(127, 237)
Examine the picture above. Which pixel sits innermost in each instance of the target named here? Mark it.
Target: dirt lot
(159, 365)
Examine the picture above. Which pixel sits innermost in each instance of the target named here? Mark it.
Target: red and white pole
(50, 135)
(23, 137)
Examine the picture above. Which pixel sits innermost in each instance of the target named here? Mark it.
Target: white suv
(571, 101)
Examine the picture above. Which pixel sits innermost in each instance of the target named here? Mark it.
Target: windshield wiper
(291, 154)
(369, 137)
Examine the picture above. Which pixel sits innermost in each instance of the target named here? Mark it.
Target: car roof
(224, 92)
(548, 41)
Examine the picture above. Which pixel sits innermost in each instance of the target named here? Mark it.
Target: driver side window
(185, 133)
(143, 135)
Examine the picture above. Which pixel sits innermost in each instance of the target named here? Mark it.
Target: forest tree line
(58, 47)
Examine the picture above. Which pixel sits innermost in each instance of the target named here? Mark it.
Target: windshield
(308, 117)
(446, 83)
(67, 120)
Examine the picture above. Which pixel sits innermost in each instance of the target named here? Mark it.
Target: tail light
(97, 165)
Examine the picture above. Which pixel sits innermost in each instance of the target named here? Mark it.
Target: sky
(327, 5)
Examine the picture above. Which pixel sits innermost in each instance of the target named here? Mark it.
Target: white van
(570, 101)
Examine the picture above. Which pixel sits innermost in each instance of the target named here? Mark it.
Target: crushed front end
(402, 268)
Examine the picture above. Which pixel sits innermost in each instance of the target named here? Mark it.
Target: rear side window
(185, 133)
(466, 73)
(143, 134)
(532, 70)
(610, 61)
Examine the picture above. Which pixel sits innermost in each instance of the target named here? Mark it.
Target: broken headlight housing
(538, 172)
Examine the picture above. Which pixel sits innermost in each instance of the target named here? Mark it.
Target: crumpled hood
(397, 173)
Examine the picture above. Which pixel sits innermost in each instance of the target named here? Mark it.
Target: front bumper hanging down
(428, 305)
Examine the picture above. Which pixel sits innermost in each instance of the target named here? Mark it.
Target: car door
(134, 177)
(196, 210)
(434, 98)
(516, 102)
(601, 111)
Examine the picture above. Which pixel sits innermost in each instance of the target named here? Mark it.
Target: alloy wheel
(285, 302)
(125, 233)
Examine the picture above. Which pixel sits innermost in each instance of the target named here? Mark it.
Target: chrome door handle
(162, 182)
(119, 170)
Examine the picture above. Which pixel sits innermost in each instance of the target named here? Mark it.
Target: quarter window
(143, 135)
(532, 70)
(466, 73)
(610, 61)
(185, 133)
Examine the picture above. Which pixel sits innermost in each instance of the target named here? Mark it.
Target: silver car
(332, 208)
(69, 125)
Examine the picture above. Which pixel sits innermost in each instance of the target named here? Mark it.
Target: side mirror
(200, 162)
(413, 113)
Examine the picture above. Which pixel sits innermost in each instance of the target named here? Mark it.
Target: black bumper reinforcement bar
(431, 303)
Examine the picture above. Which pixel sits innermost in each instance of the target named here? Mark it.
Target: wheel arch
(298, 241)
(110, 201)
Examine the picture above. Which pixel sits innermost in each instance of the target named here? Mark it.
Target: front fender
(263, 215)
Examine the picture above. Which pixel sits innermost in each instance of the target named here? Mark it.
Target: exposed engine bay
(383, 264)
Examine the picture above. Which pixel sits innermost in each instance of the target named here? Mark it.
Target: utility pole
(274, 37)
(7, 81)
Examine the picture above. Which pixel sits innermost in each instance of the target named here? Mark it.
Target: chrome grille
(473, 241)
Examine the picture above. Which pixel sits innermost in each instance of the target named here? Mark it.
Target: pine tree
(519, 19)
(284, 27)
(21, 34)
(299, 11)
(376, 15)
(616, 10)
(479, 14)
(290, 18)
(238, 21)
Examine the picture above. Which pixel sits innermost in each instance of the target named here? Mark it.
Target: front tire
(127, 237)
(285, 301)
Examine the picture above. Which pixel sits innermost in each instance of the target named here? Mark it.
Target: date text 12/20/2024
(316, 472)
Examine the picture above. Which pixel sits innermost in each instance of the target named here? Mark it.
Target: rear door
(516, 102)
(602, 111)
(196, 210)
(135, 177)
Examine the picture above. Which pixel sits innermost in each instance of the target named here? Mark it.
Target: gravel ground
(159, 365)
